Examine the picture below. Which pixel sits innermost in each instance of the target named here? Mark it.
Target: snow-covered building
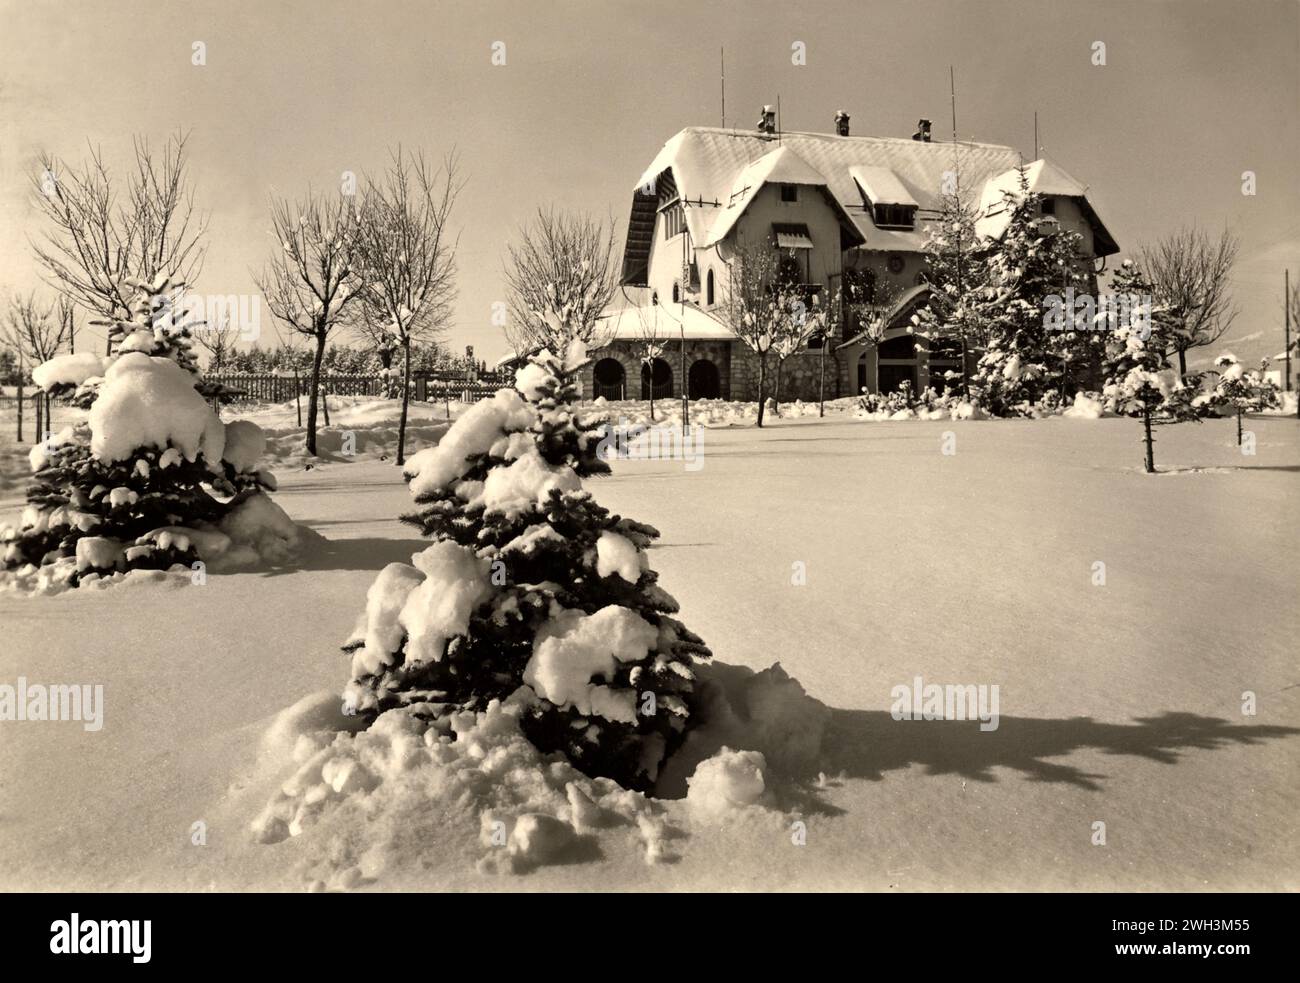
(839, 208)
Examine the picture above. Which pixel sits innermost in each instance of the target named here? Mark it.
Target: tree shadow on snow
(369, 553)
(868, 743)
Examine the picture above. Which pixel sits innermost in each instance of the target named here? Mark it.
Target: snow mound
(262, 532)
(494, 798)
(767, 712)
(728, 781)
(244, 445)
(1086, 407)
(67, 370)
(151, 402)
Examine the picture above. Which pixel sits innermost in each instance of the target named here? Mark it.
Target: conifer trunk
(1150, 441)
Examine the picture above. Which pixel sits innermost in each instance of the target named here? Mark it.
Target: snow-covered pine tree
(1138, 378)
(530, 583)
(124, 488)
(1026, 356)
(957, 271)
(1243, 391)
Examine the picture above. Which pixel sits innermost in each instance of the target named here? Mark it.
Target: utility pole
(1286, 304)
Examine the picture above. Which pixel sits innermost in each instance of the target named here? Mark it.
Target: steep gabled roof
(1044, 177)
(708, 164)
(778, 166)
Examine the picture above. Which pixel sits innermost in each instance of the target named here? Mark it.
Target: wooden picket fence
(274, 388)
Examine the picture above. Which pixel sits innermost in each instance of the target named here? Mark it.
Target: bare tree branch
(95, 246)
(406, 254)
(560, 277)
(308, 283)
(1189, 273)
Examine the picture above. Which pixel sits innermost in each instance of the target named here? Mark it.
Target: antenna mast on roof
(778, 117)
(1036, 147)
(722, 59)
(952, 88)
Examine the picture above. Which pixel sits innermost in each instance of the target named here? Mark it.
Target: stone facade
(736, 371)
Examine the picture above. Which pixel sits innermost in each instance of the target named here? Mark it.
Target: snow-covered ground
(1120, 703)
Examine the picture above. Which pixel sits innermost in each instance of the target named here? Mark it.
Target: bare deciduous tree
(560, 277)
(308, 282)
(406, 254)
(97, 244)
(218, 340)
(1189, 273)
(36, 332)
(757, 303)
(651, 341)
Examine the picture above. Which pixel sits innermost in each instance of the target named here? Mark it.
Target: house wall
(812, 209)
(1071, 218)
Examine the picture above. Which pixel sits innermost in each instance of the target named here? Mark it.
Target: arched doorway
(897, 363)
(702, 380)
(608, 379)
(656, 379)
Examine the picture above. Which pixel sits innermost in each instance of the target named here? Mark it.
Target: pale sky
(294, 93)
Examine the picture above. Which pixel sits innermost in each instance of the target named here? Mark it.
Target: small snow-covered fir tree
(126, 488)
(532, 591)
(1138, 378)
(1026, 356)
(1243, 391)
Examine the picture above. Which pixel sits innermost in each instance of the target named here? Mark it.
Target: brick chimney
(767, 123)
(842, 123)
(922, 131)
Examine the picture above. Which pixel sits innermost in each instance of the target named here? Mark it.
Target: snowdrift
(501, 806)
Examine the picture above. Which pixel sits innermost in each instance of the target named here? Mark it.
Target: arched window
(708, 289)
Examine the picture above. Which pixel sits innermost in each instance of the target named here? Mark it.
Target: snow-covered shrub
(1240, 391)
(133, 485)
(530, 584)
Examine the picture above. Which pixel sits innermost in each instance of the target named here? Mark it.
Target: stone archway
(609, 379)
(656, 378)
(703, 380)
(898, 361)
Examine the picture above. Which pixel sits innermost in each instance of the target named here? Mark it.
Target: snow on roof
(881, 185)
(666, 321)
(779, 166)
(1044, 178)
(712, 167)
(706, 162)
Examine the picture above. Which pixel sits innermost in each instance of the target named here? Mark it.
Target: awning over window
(792, 236)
